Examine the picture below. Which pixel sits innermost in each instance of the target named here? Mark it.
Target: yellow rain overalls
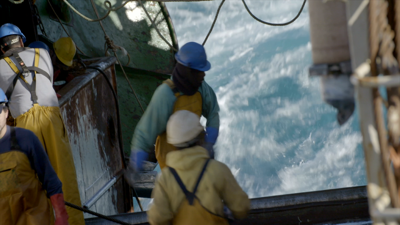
(191, 211)
(47, 124)
(22, 198)
(191, 103)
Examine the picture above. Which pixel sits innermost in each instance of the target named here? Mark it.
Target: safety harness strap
(25, 69)
(12, 65)
(13, 140)
(11, 87)
(190, 196)
(36, 60)
(171, 85)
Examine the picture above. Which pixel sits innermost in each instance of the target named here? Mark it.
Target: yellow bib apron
(191, 211)
(183, 102)
(22, 199)
(47, 124)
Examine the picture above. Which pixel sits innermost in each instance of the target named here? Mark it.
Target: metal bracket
(330, 69)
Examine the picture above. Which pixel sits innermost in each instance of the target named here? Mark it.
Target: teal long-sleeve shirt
(155, 118)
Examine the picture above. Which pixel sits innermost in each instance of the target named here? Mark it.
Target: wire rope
(115, 54)
(212, 26)
(155, 26)
(87, 18)
(274, 24)
(107, 5)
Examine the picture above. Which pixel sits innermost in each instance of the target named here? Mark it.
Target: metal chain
(39, 20)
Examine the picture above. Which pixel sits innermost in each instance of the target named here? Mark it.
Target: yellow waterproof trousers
(46, 122)
(22, 198)
(196, 214)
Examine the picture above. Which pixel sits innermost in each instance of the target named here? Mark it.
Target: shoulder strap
(200, 176)
(13, 140)
(189, 195)
(174, 89)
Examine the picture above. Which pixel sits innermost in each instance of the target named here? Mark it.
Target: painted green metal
(144, 82)
(128, 27)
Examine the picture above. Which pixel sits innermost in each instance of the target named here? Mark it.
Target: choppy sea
(276, 135)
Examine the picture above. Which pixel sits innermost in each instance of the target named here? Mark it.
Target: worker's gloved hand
(210, 149)
(211, 138)
(136, 159)
(211, 135)
(57, 201)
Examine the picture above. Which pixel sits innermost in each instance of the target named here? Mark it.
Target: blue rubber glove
(211, 138)
(212, 135)
(136, 159)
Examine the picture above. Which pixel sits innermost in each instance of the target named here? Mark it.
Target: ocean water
(276, 135)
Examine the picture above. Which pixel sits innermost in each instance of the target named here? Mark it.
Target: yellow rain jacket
(216, 188)
(46, 122)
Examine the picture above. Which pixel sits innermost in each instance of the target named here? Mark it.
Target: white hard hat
(182, 127)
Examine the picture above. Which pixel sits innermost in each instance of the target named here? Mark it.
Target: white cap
(182, 127)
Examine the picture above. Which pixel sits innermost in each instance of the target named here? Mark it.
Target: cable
(215, 19)
(96, 214)
(274, 24)
(59, 20)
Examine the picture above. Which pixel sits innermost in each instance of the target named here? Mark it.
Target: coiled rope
(274, 24)
(212, 26)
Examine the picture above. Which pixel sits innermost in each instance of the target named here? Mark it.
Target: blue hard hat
(3, 97)
(39, 44)
(193, 55)
(10, 29)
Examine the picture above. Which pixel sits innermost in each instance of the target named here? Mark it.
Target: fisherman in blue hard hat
(187, 90)
(27, 178)
(27, 76)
